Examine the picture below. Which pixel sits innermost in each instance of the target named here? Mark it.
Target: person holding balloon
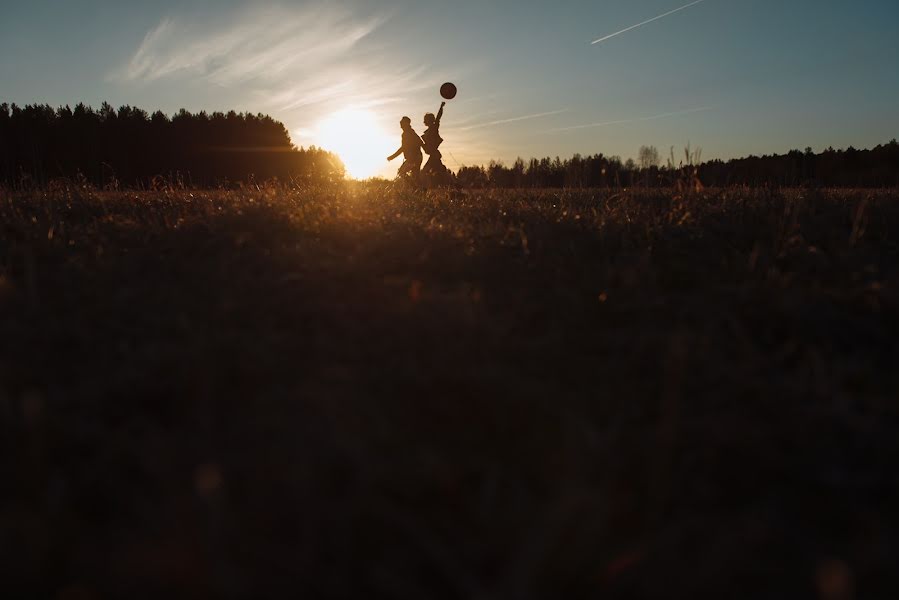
(434, 168)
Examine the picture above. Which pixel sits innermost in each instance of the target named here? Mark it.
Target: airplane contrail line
(636, 120)
(514, 119)
(662, 16)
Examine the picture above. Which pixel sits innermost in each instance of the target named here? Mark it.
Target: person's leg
(426, 172)
(436, 169)
(409, 171)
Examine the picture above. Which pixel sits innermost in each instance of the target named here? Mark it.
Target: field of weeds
(360, 391)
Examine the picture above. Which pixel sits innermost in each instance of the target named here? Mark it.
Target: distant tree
(518, 173)
(472, 177)
(648, 157)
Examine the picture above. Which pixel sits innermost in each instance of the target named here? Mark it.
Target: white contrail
(637, 120)
(513, 119)
(670, 12)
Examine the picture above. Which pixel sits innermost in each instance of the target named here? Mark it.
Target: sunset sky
(734, 77)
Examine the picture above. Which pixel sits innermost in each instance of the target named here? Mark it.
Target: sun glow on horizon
(358, 139)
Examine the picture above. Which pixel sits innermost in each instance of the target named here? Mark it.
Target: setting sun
(358, 139)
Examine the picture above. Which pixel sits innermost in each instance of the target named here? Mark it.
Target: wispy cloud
(646, 22)
(513, 119)
(298, 63)
(634, 120)
(459, 122)
(350, 84)
(247, 45)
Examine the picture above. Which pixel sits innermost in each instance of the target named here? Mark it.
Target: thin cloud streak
(514, 119)
(350, 85)
(249, 46)
(635, 120)
(298, 63)
(460, 122)
(648, 21)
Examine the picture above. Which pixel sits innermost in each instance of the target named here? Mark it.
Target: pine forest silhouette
(132, 147)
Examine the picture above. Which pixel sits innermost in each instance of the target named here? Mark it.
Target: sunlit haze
(357, 138)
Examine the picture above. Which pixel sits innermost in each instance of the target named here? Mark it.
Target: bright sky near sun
(734, 77)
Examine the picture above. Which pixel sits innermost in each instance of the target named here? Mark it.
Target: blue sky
(734, 77)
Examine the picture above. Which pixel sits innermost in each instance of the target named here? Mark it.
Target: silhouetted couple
(412, 145)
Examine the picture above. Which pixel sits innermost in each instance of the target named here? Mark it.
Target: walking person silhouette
(410, 148)
(434, 168)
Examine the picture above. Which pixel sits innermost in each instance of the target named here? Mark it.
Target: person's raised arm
(440, 113)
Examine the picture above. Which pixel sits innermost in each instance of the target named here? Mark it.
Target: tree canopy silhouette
(878, 167)
(133, 147)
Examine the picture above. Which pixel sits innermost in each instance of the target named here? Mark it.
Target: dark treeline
(131, 147)
(878, 167)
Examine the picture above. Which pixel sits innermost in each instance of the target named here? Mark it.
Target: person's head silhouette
(405, 122)
(430, 119)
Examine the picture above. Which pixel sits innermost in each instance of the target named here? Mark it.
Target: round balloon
(448, 90)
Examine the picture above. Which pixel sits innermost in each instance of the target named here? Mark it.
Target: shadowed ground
(363, 392)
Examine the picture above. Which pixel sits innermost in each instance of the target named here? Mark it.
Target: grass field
(364, 392)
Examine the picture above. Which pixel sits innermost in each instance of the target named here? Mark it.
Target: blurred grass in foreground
(360, 391)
